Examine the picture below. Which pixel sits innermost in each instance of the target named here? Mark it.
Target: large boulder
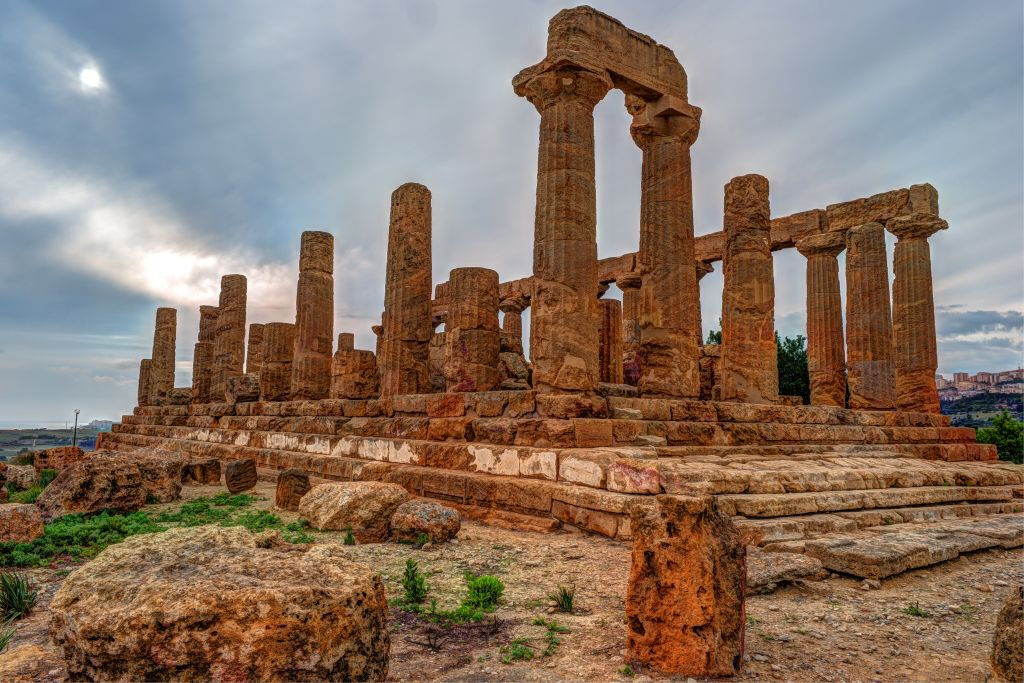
(365, 507)
(161, 473)
(22, 476)
(416, 517)
(209, 603)
(1008, 641)
(20, 522)
(101, 482)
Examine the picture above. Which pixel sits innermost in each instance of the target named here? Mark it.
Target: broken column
(687, 583)
(314, 317)
(202, 355)
(611, 341)
(472, 335)
(254, 349)
(406, 327)
(702, 268)
(353, 372)
(512, 324)
(665, 129)
(563, 311)
(229, 337)
(749, 365)
(161, 372)
(145, 374)
(913, 312)
(630, 287)
(869, 350)
(826, 354)
(278, 350)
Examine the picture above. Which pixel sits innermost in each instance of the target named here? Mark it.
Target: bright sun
(90, 78)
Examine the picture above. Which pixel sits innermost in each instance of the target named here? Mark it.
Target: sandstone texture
(59, 458)
(229, 335)
(201, 470)
(685, 598)
(243, 388)
(314, 317)
(1008, 640)
(353, 372)
(869, 351)
(254, 348)
(20, 522)
(162, 473)
(208, 603)
(22, 476)
(145, 373)
(31, 664)
(630, 286)
(364, 507)
(276, 374)
(415, 517)
(826, 353)
(202, 371)
(100, 482)
(161, 372)
(472, 335)
(292, 485)
(610, 349)
(240, 475)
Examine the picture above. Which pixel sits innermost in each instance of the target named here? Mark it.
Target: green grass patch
(29, 495)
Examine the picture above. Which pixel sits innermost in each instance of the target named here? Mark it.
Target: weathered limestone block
(202, 371)
(59, 458)
(276, 375)
(200, 470)
(881, 207)
(229, 338)
(213, 603)
(314, 317)
(665, 129)
(254, 348)
(20, 523)
(472, 335)
(243, 388)
(1008, 640)
(868, 320)
(364, 507)
(416, 517)
(100, 482)
(710, 370)
(240, 475)
(913, 312)
(513, 372)
(145, 374)
(826, 353)
(611, 341)
(686, 591)
(178, 396)
(403, 353)
(435, 362)
(563, 311)
(22, 476)
(353, 372)
(161, 372)
(161, 473)
(292, 485)
(749, 357)
(630, 286)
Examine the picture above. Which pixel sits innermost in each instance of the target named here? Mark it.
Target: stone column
(161, 373)
(202, 354)
(229, 337)
(405, 338)
(826, 355)
(868, 320)
(913, 314)
(630, 286)
(611, 341)
(354, 372)
(749, 355)
(208, 323)
(145, 374)
(564, 318)
(472, 335)
(512, 324)
(254, 348)
(314, 317)
(669, 346)
(702, 268)
(278, 351)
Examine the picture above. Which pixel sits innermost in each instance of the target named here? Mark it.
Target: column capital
(703, 268)
(915, 226)
(629, 281)
(665, 117)
(516, 304)
(564, 83)
(822, 244)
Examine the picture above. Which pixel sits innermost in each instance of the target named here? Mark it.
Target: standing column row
(472, 335)
(314, 317)
(868, 320)
(826, 355)
(161, 373)
(229, 337)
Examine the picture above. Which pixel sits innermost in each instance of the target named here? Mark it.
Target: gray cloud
(951, 321)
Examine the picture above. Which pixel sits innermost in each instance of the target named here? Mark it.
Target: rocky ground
(928, 624)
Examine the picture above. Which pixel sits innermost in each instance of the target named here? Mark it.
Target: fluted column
(913, 314)
(229, 337)
(472, 335)
(869, 349)
(278, 352)
(314, 317)
(702, 268)
(145, 375)
(254, 348)
(161, 376)
(826, 355)
(630, 287)
(749, 354)
(512, 323)
(611, 341)
(404, 347)
(202, 354)
(564, 318)
(669, 344)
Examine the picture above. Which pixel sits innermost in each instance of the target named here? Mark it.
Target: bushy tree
(1008, 436)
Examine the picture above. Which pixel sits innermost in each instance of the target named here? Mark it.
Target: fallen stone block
(240, 475)
(20, 523)
(292, 485)
(1008, 640)
(101, 482)
(201, 471)
(416, 517)
(364, 507)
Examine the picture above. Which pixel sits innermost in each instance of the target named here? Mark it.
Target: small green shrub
(484, 592)
(47, 476)
(564, 599)
(16, 596)
(914, 610)
(1008, 436)
(627, 671)
(516, 651)
(414, 584)
(7, 631)
(350, 538)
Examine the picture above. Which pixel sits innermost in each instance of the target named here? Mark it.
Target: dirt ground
(831, 630)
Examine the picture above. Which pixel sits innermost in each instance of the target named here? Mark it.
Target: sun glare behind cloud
(91, 79)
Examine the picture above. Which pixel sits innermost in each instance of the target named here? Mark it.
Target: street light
(74, 437)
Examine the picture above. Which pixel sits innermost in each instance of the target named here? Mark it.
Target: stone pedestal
(913, 312)
(276, 375)
(229, 337)
(630, 287)
(611, 341)
(868, 320)
(749, 364)
(314, 317)
(685, 598)
(254, 349)
(826, 355)
(472, 336)
(161, 373)
(563, 309)
(405, 337)
(145, 378)
(668, 322)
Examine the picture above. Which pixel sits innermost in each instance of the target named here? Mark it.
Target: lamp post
(74, 437)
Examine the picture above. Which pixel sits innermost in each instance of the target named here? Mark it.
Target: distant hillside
(978, 411)
(14, 441)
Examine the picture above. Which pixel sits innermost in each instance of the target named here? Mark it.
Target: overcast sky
(146, 148)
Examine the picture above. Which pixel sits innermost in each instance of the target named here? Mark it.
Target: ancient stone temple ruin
(615, 402)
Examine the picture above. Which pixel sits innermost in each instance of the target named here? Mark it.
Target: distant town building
(964, 385)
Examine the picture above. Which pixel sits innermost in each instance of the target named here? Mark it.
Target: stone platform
(790, 475)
